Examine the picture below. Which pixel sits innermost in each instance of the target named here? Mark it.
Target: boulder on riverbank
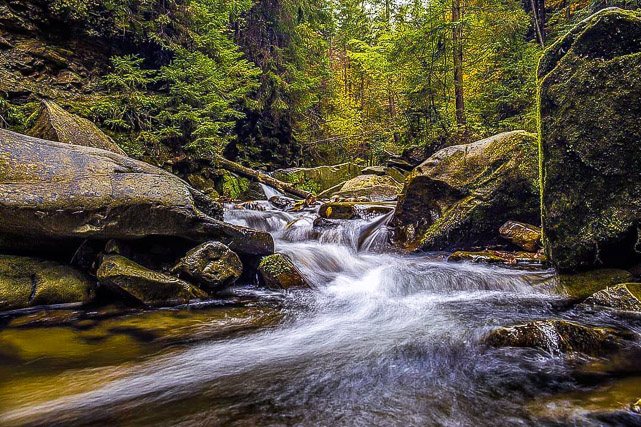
(590, 140)
(559, 337)
(461, 195)
(53, 123)
(135, 283)
(51, 191)
(212, 265)
(320, 178)
(372, 187)
(279, 273)
(28, 282)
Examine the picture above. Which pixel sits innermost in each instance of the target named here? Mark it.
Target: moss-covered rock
(559, 337)
(351, 210)
(372, 187)
(55, 124)
(231, 185)
(460, 196)
(320, 178)
(52, 190)
(278, 272)
(212, 265)
(28, 282)
(590, 142)
(525, 236)
(133, 282)
(578, 286)
(626, 297)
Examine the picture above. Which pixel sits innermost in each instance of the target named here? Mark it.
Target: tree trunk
(281, 186)
(457, 41)
(538, 10)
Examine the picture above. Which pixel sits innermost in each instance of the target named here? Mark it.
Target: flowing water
(382, 339)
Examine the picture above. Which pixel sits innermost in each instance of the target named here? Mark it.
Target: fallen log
(281, 186)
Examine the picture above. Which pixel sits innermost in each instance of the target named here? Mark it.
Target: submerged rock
(211, 264)
(590, 104)
(625, 297)
(282, 202)
(461, 195)
(320, 178)
(28, 282)
(55, 124)
(374, 187)
(579, 286)
(559, 337)
(55, 191)
(523, 235)
(279, 273)
(350, 210)
(492, 257)
(133, 282)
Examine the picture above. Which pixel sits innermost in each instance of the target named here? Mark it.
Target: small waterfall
(270, 191)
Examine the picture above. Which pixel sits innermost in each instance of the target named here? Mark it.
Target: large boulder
(55, 124)
(56, 191)
(28, 282)
(136, 283)
(212, 265)
(461, 195)
(320, 178)
(372, 187)
(590, 105)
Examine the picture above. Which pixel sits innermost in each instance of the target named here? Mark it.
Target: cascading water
(382, 339)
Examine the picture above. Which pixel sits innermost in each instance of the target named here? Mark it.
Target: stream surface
(381, 339)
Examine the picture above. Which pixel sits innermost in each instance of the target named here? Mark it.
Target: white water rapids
(382, 339)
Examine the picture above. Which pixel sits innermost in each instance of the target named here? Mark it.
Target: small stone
(525, 236)
(279, 273)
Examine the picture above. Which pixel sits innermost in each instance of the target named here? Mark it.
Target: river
(383, 338)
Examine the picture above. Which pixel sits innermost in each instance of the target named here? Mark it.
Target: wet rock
(559, 337)
(625, 297)
(374, 187)
(523, 235)
(351, 210)
(400, 164)
(212, 265)
(636, 407)
(28, 282)
(135, 283)
(254, 191)
(282, 202)
(492, 257)
(461, 195)
(53, 123)
(56, 191)
(202, 183)
(279, 273)
(320, 178)
(579, 286)
(590, 104)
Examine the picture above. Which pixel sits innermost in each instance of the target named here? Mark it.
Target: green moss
(579, 286)
(233, 186)
(318, 179)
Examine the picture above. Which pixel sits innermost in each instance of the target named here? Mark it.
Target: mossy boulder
(28, 282)
(231, 185)
(55, 124)
(212, 265)
(56, 191)
(460, 196)
(277, 272)
(559, 337)
(320, 178)
(135, 283)
(372, 187)
(590, 142)
(351, 210)
(625, 297)
(525, 236)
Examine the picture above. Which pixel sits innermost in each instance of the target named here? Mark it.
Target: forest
(322, 212)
